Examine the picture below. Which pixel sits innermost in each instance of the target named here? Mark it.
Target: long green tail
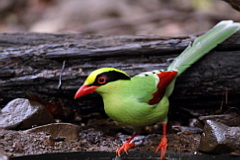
(201, 46)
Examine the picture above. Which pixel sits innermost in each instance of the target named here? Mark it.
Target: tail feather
(203, 44)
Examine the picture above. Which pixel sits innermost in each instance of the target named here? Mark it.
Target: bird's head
(98, 78)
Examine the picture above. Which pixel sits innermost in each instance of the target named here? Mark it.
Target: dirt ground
(105, 136)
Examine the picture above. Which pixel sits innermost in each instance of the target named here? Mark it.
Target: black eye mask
(109, 76)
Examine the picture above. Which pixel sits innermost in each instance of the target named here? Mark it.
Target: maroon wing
(164, 79)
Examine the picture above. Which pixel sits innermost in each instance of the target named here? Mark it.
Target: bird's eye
(102, 80)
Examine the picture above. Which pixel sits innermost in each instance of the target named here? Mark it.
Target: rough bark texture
(234, 3)
(32, 62)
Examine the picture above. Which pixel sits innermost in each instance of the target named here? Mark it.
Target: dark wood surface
(32, 62)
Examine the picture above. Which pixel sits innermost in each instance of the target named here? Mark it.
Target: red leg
(126, 145)
(162, 147)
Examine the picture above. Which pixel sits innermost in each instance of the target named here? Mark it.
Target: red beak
(84, 90)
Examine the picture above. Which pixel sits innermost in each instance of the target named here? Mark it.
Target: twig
(60, 76)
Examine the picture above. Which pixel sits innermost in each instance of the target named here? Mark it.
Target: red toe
(125, 147)
(162, 147)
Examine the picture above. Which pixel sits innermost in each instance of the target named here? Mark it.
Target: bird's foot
(162, 147)
(125, 147)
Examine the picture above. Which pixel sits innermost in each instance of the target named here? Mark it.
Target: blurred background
(114, 17)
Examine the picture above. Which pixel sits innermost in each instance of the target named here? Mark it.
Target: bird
(144, 98)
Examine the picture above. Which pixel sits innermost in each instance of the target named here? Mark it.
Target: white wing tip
(225, 22)
(228, 23)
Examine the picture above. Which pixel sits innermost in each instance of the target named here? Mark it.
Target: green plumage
(201, 46)
(143, 99)
(126, 101)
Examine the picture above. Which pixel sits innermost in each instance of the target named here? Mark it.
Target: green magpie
(143, 99)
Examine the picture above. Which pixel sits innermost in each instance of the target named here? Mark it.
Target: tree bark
(32, 62)
(234, 3)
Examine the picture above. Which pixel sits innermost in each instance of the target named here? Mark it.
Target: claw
(125, 147)
(162, 147)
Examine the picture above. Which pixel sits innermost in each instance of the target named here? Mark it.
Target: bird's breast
(131, 112)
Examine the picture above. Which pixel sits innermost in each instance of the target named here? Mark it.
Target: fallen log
(55, 65)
